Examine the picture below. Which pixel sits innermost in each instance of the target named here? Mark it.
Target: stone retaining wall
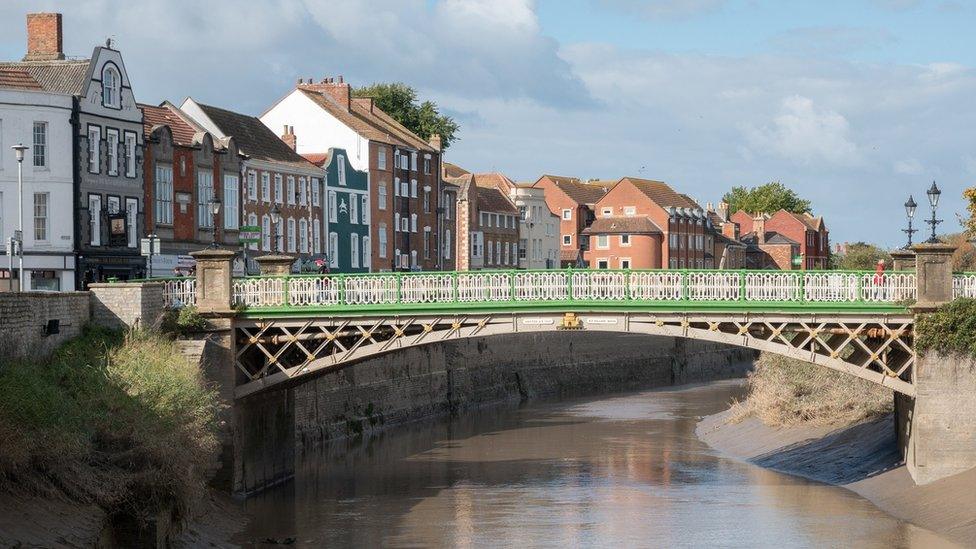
(126, 305)
(24, 318)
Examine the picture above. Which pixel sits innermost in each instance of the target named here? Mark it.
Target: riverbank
(862, 458)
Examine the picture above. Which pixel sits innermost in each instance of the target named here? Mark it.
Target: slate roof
(719, 237)
(491, 199)
(623, 225)
(164, 115)
(369, 121)
(579, 192)
(64, 76)
(661, 193)
(772, 237)
(254, 138)
(18, 78)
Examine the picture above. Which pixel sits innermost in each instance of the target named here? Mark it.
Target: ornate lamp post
(214, 209)
(19, 153)
(933, 194)
(910, 211)
(275, 219)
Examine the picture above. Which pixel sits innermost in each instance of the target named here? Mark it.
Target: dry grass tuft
(787, 392)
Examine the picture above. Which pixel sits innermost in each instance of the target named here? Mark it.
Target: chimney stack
(44, 37)
(289, 137)
(338, 90)
(435, 142)
(759, 227)
(723, 210)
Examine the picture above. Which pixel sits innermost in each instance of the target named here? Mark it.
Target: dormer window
(110, 87)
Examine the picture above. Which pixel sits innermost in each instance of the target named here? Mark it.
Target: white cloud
(665, 9)
(908, 166)
(803, 133)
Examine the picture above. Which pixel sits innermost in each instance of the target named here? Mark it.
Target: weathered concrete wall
(939, 427)
(24, 317)
(126, 305)
(443, 378)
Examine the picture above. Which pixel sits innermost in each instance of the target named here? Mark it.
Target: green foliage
(861, 256)
(183, 321)
(400, 101)
(120, 420)
(768, 198)
(964, 258)
(970, 220)
(949, 329)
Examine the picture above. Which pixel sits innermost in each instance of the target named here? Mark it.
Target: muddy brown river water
(623, 471)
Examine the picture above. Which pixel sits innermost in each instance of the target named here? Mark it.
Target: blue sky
(854, 104)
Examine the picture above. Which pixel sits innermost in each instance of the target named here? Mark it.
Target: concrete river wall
(409, 384)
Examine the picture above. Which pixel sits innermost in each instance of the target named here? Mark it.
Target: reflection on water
(622, 471)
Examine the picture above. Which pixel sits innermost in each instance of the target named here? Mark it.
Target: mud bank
(862, 458)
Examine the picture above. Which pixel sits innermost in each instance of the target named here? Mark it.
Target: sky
(855, 104)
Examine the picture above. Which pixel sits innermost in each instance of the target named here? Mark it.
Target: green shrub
(949, 329)
(183, 321)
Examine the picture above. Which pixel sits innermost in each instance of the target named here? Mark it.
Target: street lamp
(910, 210)
(214, 210)
(275, 219)
(933, 194)
(19, 150)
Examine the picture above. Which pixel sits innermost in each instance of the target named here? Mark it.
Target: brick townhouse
(277, 181)
(403, 169)
(573, 201)
(498, 221)
(728, 251)
(185, 170)
(807, 235)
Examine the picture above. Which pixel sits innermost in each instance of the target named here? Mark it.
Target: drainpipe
(76, 189)
(439, 209)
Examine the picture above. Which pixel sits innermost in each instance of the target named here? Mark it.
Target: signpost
(248, 234)
(150, 247)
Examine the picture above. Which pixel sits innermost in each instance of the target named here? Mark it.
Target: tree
(970, 221)
(768, 198)
(964, 258)
(861, 256)
(400, 101)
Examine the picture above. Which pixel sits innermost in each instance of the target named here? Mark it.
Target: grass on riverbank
(121, 420)
(786, 392)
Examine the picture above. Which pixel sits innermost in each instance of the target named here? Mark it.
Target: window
(426, 242)
(164, 194)
(447, 244)
(567, 214)
(317, 236)
(413, 188)
(413, 223)
(498, 251)
(427, 165)
(404, 189)
(404, 162)
(132, 221)
(607, 212)
(266, 187)
(333, 207)
(252, 185)
(290, 198)
(382, 235)
(110, 87)
(426, 199)
(523, 245)
(291, 235)
(231, 209)
(602, 241)
(112, 143)
(334, 250)
(266, 233)
(315, 191)
(303, 235)
(302, 192)
(673, 241)
(567, 240)
(602, 264)
(95, 219)
(625, 240)
(252, 220)
(413, 163)
(40, 144)
(413, 259)
(354, 251)
(523, 212)
(381, 160)
(367, 253)
(130, 154)
(365, 210)
(630, 211)
(205, 194)
(40, 216)
(624, 262)
(396, 222)
(381, 193)
(505, 251)
(353, 209)
(278, 191)
(448, 205)
(2, 240)
(341, 168)
(94, 146)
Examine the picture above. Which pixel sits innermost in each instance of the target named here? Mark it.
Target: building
(108, 139)
(538, 246)
(449, 230)
(403, 169)
(769, 249)
(41, 121)
(347, 214)
(469, 247)
(277, 182)
(497, 221)
(728, 251)
(645, 224)
(807, 231)
(185, 168)
(573, 201)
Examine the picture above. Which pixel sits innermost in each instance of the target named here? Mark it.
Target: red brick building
(573, 201)
(807, 235)
(498, 221)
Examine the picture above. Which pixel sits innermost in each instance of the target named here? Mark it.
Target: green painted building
(348, 215)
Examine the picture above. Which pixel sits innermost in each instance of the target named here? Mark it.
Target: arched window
(110, 87)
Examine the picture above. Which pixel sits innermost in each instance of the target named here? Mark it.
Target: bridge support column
(214, 273)
(937, 428)
(275, 265)
(904, 260)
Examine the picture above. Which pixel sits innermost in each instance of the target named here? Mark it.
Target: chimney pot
(340, 79)
(44, 37)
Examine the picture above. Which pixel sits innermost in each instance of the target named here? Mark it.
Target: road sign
(18, 235)
(144, 246)
(250, 234)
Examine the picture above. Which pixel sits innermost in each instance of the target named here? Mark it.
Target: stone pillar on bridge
(904, 260)
(275, 265)
(214, 274)
(933, 272)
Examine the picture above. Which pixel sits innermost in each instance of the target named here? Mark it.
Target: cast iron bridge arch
(855, 322)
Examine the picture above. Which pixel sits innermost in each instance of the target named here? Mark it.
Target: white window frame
(42, 214)
(381, 196)
(316, 196)
(624, 242)
(164, 194)
(252, 219)
(131, 140)
(292, 240)
(353, 210)
(266, 187)
(278, 188)
(231, 209)
(303, 235)
(95, 219)
(266, 233)
(603, 242)
(381, 158)
(367, 252)
(413, 223)
(383, 239)
(39, 152)
(205, 193)
(364, 210)
(94, 149)
(334, 250)
(567, 214)
(604, 261)
(341, 169)
(354, 250)
(132, 222)
(290, 188)
(111, 87)
(112, 145)
(625, 260)
(567, 240)
(333, 202)
(252, 185)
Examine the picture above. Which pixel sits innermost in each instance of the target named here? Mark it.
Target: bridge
(856, 322)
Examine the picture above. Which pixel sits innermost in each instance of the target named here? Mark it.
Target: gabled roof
(623, 225)
(494, 180)
(772, 237)
(19, 79)
(63, 76)
(254, 138)
(579, 192)
(491, 199)
(661, 193)
(811, 222)
(167, 115)
(319, 159)
(453, 170)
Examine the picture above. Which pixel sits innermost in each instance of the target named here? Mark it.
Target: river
(623, 470)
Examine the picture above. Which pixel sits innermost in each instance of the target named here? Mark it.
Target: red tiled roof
(579, 192)
(18, 78)
(661, 193)
(568, 255)
(623, 225)
(495, 180)
(453, 170)
(167, 115)
(319, 159)
(491, 199)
